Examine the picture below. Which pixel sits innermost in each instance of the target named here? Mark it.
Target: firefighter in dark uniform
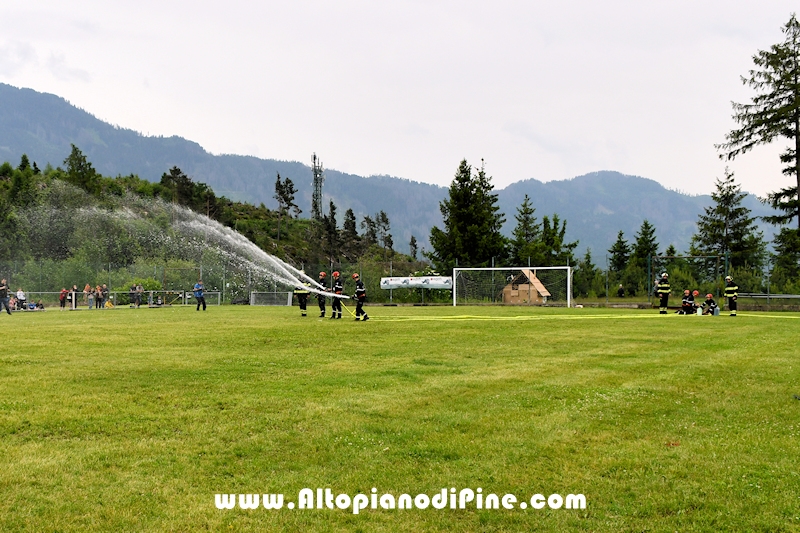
(336, 305)
(687, 305)
(709, 305)
(663, 290)
(302, 297)
(321, 297)
(731, 293)
(360, 297)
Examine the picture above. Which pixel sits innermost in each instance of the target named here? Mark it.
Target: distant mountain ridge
(596, 205)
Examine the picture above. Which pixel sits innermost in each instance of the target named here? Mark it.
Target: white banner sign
(424, 282)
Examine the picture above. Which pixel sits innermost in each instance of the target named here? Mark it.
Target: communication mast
(319, 179)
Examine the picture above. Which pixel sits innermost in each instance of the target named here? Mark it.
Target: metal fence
(233, 283)
(116, 299)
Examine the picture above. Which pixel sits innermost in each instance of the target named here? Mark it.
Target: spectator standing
(4, 296)
(62, 298)
(199, 294)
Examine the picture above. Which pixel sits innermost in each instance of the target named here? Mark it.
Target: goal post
(271, 298)
(513, 286)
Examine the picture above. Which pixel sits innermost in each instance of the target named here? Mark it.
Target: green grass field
(131, 420)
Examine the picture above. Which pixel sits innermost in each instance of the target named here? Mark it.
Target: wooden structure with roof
(526, 289)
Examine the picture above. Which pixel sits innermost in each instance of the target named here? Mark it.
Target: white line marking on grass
(522, 318)
(509, 318)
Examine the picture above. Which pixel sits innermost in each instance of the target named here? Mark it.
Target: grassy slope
(133, 420)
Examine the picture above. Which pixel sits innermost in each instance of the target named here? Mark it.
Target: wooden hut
(525, 288)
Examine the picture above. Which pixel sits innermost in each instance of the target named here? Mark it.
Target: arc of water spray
(256, 258)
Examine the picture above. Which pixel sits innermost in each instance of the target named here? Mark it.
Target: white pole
(455, 275)
(569, 286)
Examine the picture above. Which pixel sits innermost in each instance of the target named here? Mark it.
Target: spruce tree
(526, 235)
(413, 249)
(555, 250)
(620, 252)
(351, 242)
(472, 222)
(727, 229)
(645, 245)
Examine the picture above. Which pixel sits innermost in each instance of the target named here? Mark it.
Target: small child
(687, 304)
(709, 305)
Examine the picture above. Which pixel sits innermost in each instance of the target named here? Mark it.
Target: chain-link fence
(44, 279)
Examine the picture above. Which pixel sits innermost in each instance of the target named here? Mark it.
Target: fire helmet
(355, 276)
(728, 278)
(709, 296)
(695, 293)
(664, 275)
(336, 274)
(322, 274)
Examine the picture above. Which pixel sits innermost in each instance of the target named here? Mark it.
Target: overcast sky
(545, 90)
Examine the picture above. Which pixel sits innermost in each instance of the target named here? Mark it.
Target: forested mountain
(596, 206)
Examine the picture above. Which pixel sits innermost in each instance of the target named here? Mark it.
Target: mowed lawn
(132, 420)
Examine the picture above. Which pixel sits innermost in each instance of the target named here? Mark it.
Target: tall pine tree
(620, 253)
(526, 235)
(472, 221)
(727, 229)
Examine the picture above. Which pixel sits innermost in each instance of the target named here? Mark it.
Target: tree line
(26, 193)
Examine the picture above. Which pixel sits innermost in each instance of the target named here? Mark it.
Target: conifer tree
(773, 113)
(645, 245)
(412, 246)
(526, 235)
(472, 222)
(727, 229)
(351, 242)
(620, 253)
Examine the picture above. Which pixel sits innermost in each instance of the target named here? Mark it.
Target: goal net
(270, 298)
(513, 286)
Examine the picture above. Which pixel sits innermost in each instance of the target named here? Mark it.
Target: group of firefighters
(688, 305)
(337, 288)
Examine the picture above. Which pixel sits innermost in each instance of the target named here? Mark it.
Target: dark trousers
(302, 299)
(732, 306)
(663, 303)
(201, 300)
(360, 308)
(4, 303)
(336, 306)
(321, 302)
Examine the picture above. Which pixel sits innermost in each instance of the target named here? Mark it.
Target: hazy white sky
(545, 90)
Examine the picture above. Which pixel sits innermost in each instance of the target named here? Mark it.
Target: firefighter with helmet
(709, 306)
(336, 304)
(663, 290)
(321, 297)
(360, 297)
(731, 293)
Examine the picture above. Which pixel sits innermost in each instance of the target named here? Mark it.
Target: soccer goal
(513, 286)
(270, 298)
